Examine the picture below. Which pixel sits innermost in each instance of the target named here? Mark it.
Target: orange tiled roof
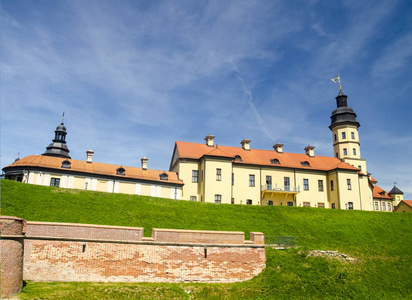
(93, 168)
(374, 180)
(377, 193)
(408, 202)
(261, 157)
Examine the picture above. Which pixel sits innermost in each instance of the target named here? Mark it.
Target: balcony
(280, 188)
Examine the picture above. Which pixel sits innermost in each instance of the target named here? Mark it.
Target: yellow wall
(127, 188)
(79, 182)
(313, 195)
(214, 187)
(241, 189)
(403, 207)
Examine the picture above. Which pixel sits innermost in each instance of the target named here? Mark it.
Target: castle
(223, 174)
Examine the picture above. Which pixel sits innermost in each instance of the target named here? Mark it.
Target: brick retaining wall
(81, 252)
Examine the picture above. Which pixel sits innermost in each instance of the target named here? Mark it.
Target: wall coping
(84, 225)
(199, 231)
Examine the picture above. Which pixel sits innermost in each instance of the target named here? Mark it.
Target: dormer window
(275, 161)
(66, 164)
(238, 158)
(121, 171)
(164, 176)
(382, 193)
(305, 163)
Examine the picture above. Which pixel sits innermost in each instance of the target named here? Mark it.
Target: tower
(396, 194)
(58, 148)
(345, 134)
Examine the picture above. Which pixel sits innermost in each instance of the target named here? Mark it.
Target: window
(306, 204)
(337, 155)
(305, 163)
(350, 205)
(275, 161)
(66, 164)
(269, 202)
(232, 201)
(55, 182)
(249, 202)
(218, 174)
(389, 206)
(349, 184)
(354, 151)
(251, 180)
(193, 198)
(333, 205)
(164, 176)
(376, 206)
(383, 206)
(345, 151)
(86, 184)
(320, 185)
(335, 138)
(269, 182)
(290, 203)
(218, 198)
(238, 158)
(286, 183)
(233, 178)
(121, 171)
(360, 168)
(321, 204)
(352, 135)
(331, 185)
(306, 184)
(195, 176)
(343, 135)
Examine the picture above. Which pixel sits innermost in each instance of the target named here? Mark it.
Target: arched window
(164, 176)
(121, 171)
(275, 161)
(66, 164)
(238, 158)
(305, 163)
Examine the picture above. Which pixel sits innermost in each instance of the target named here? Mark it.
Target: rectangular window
(343, 135)
(360, 168)
(55, 182)
(321, 204)
(290, 203)
(193, 198)
(333, 205)
(218, 174)
(306, 204)
(383, 206)
(249, 202)
(376, 206)
(389, 206)
(337, 155)
(345, 151)
(306, 184)
(269, 202)
(350, 205)
(233, 178)
(251, 180)
(320, 185)
(349, 184)
(286, 183)
(331, 185)
(195, 176)
(269, 182)
(335, 138)
(352, 134)
(218, 198)
(232, 201)
(354, 151)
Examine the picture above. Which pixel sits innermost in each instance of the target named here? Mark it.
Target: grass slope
(380, 242)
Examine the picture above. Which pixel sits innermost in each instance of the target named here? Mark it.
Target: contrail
(252, 105)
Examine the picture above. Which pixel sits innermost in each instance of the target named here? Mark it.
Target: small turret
(58, 148)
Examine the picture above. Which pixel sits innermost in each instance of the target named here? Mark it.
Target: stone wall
(81, 252)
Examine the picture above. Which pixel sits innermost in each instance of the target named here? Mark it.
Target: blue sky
(133, 77)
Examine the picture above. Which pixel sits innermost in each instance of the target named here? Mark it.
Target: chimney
(245, 144)
(144, 163)
(310, 150)
(89, 156)
(209, 140)
(278, 147)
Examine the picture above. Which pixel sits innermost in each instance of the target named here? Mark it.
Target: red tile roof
(93, 168)
(261, 157)
(377, 193)
(408, 202)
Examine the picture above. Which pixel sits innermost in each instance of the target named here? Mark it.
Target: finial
(63, 119)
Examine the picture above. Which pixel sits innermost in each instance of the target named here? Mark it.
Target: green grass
(380, 242)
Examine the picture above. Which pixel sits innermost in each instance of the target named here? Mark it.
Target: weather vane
(336, 80)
